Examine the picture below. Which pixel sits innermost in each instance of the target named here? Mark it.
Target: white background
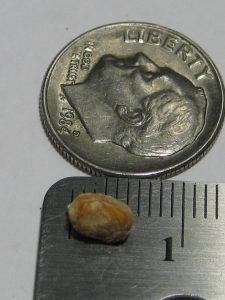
(31, 34)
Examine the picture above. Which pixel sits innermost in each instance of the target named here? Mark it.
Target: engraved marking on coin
(170, 43)
(174, 45)
(195, 61)
(87, 54)
(76, 133)
(62, 98)
(66, 117)
(152, 37)
(184, 51)
(206, 72)
(148, 110)
(74, 66)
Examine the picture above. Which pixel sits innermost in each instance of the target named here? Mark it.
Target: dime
(132, 99)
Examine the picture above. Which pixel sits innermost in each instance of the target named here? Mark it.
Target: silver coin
(132, 99)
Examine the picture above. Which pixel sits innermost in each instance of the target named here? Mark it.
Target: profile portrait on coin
(132, 102)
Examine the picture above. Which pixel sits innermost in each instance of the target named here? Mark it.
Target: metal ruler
(176, 249)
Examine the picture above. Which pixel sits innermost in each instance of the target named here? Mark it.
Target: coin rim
(95, 170)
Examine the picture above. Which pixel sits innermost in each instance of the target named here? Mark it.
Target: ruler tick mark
(172, 199)
(183, 215)
(161, 200)
(128, 191)
(194, 201)
(106, 186)
(139, 197)
(117, 187)
(217, 201)
(150, 199)
(69, 225)
(72, 196)
(205, 201)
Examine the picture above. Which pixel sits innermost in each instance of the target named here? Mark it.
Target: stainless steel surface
(177, 246)
(132, 99)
